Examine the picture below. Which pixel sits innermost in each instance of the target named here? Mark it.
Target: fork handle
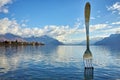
(87, 18)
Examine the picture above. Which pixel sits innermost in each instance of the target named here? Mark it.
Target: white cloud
(3, 7)
(62, 33)
(98, 27)
(115, 7)
(118, 23)
(77, 23)
(58, 32)
(105, 32)
(6, 25)
(23, 25)
(112, 30)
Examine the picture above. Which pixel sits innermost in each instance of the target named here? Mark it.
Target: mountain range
(112, 40)
(43, 39)
(10, 37)
(92, 41)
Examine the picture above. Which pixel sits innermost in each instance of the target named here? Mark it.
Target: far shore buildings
(16, 42)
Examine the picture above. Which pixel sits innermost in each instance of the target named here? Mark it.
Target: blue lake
(58, 63)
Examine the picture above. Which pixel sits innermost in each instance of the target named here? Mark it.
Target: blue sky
(60, 19)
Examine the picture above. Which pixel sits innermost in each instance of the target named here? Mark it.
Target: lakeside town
(20, 43)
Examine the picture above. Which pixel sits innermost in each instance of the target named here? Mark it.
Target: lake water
(58, 63)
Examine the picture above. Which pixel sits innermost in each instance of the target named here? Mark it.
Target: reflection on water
(105, 56)
(88, 73)
(9, 58)
(57, 62)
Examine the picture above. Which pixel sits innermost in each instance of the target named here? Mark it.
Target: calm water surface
(58, 63)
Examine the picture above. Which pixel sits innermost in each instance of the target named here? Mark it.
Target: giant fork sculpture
(87, 57)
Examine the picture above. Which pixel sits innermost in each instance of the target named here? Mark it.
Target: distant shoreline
(21, 43)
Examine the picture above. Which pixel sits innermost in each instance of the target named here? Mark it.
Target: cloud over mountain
(58, 32)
